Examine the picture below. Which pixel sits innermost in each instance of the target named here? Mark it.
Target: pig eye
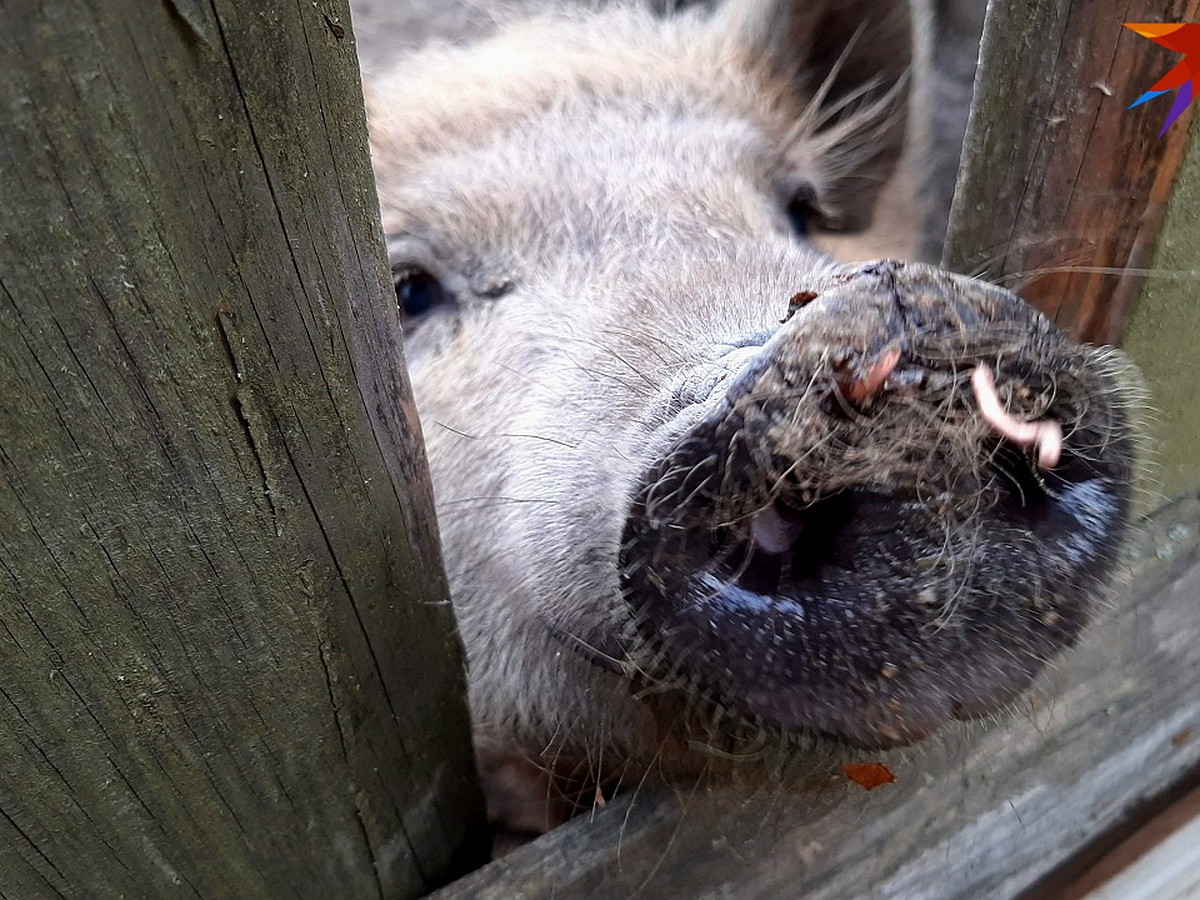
(417, 292)
(801, 210)
(798, 217)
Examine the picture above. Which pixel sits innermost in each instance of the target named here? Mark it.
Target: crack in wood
(197, 16)
(241, 408)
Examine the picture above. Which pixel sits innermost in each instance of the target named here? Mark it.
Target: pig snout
(890, 516)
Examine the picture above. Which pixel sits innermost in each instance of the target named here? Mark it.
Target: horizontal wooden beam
(988, 812)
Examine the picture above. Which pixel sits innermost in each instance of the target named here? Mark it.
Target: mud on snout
(889, 518)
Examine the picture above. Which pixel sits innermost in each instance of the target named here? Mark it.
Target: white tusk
(1046, 436)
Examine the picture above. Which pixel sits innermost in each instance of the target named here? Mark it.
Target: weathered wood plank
(1170, 871)
(230, 668)
(1062, 188)
(1138, 848)
(1165, 332)
(987, 813)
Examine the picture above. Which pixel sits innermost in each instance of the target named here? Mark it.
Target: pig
(710, 498)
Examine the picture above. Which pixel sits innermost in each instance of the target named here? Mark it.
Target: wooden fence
(230, 667)
(229, 660)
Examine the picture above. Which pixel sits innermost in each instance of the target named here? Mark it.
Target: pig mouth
(892, 518)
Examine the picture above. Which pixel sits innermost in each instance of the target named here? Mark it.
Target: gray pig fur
(603, 195)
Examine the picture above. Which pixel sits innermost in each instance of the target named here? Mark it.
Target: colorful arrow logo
(1182, 37)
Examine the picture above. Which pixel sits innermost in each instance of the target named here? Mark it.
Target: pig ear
(849, 60)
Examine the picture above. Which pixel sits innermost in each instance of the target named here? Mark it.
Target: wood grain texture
(1164, 334)
(990, 812)
(230, 666)
(1062, 189)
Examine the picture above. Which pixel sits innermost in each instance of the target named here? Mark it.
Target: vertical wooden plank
(1164, 335)
(230, 665)
(1062, 188)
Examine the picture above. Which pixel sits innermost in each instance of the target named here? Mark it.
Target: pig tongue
(771, 532)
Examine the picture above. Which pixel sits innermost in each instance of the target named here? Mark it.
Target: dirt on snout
(880, 525)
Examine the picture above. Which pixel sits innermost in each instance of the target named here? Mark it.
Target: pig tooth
(860, 391)
(1045, 435)
(871, 383)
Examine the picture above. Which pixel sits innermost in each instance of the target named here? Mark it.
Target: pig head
(699, 485)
